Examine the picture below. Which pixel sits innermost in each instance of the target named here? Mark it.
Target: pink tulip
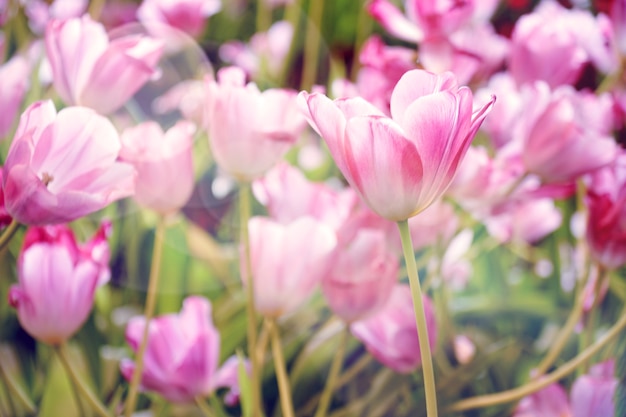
(549, 402)
(435, 225)
(40, 12)
(618, 19)
(288, 262)
(14, 82)
(592, 394)
(362, 277)
(164, 164)
(565, 133)
(606, 222)
(227, 376)
(249, 131)
(90, 71)
(399, 165)
(391, 334)
(553, 44)
(182, 354)
(63, 166)
(5, 217)
(57, 280)
(288, 195)
(188, 16)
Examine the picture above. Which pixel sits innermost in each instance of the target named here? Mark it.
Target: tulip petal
(415, 84)
(392, 19)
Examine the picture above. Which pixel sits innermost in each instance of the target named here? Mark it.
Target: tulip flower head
(57, 281)
(182, 354)
(400, 164)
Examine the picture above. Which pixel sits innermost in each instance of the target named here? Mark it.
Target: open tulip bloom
(399, 164)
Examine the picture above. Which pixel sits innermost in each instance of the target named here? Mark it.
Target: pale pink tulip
(182, 354)
(399, 165)
(14, 82)
(63, 166)
(57, 280)
(565, 133)
(606, 222)
(549, 402)
(249, 131)
(435, 225)
(525, 220)
(592, 394)
(363, 275)
(164, 164)
(188, 16)
(288, 262)
(40, 12)
(288, 195)
(391, 336)
(553, 44)
(90, 71)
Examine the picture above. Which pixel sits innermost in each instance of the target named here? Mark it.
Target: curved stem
(153, 286)
(245, 208)
(9, 232)
(61, 350)
(281, 371)
(333, 374)
(206, 410)
(420, 320)
(535, 385)
(16, 391)
(312, 44)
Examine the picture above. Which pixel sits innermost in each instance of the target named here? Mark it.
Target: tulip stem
(312, 44)
(8, 234)
(16, 391)
(333, 374)
(153, 285)
(263, 16)
(245, 207)
(537, 384)
(420, 320)
(281, 371)
(206, 410)
(61, 350)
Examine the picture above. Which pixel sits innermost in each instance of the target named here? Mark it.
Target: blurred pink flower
(164, 164)
(435, 225)
(618, 19)
(565, 133)
(5, 217)
(249, 131)
(57, 280)
(592, 394)
(188, 16)
(399, 165)
(288, 262)
(549, 402)
(606, 222)
(182, 354)
(40, 12)
(227, 376)
(391, 336)
(90, 71)
(14, 82)
(553, 43)
(61, 167)
(363, 275)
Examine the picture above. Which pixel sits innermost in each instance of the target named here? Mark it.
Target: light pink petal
(394, 21)
(415, 84)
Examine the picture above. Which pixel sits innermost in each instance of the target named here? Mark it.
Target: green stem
(537, 384)
(363, 28)
(245, 208)
(281, 371)
(8, 234)
(333, 374)
(312, 44)
(206, 410)
(263, 16)
(95, 404)
(153, 286)
(420, 320)
(5, 390)
(16, 391)
(292, 15)
(79, 403)
(95, 8)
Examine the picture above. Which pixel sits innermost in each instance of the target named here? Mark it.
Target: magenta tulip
(164, 164)
(57, 280)
(90, 71)
(61, 167)
(288, 262)
(249, 131)
(362, 277)
(399, 165)
(391, 335)
(188, 16)
(182, 353)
